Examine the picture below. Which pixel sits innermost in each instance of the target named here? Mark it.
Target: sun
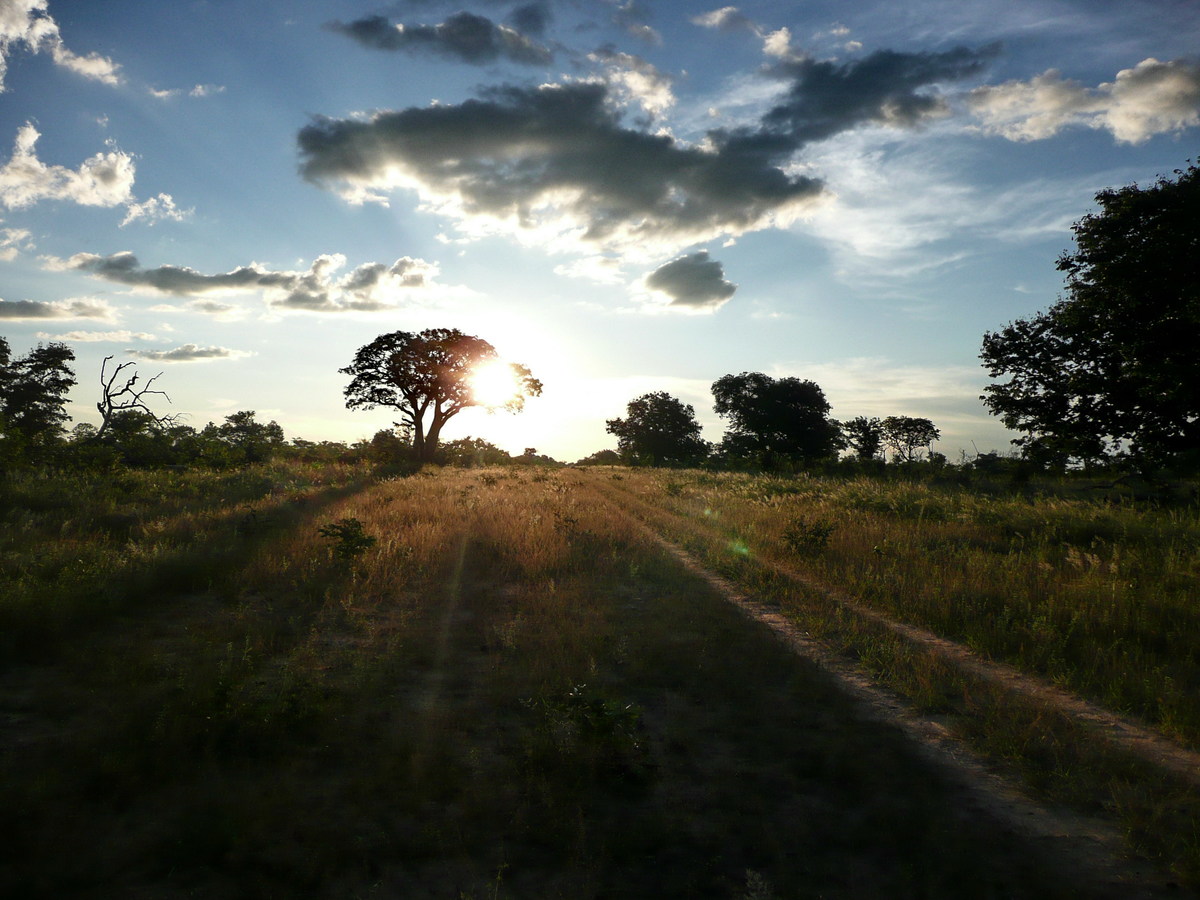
(495, 383)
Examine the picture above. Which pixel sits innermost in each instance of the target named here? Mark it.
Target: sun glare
(495, 384)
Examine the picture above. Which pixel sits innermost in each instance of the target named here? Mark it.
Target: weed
(352, 540)
(802, 536)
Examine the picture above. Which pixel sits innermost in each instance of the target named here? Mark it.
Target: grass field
(308, 682)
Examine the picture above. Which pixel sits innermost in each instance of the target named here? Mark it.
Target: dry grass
(510, 693)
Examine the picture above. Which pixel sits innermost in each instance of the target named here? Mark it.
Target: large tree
(33, 395)
(659, 430)
(429, 378)
(775, 420)
(864, 435)
(1112, 365)
(905, 436)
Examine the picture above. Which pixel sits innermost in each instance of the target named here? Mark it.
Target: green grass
(510, 693)
(1093, 595)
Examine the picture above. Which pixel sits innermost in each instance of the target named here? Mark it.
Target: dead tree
(115, 399)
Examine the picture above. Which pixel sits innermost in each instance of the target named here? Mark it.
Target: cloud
(887, 88)
(693, 282)
(13, 241)
(531, 18)
(1151, 98)
(105, 179)
(464, 36)
(27, 22)
(188, 353)
(85, 337)
(157, 209)
(634, 79)
(555, 165)
(727, 18)
(199, 90)
(79, 308)
(367, 288)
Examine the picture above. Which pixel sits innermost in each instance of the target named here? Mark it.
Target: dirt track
(1093, 850)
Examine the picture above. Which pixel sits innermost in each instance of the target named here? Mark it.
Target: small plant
(673, 489)
(802, 536)
(352, 541)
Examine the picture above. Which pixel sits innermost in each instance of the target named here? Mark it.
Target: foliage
(772, 421)
(864, 436)
(425, 376)
(473, 452)
(906, 435)
(804, 536)
(33, 394)
(601, 458)
(658, 430)
(350, 538)
(1112, 365)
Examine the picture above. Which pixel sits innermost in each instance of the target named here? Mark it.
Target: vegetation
(427, 378)
(774, 421)
(510, 692)
(659, 430)
(1111, 368)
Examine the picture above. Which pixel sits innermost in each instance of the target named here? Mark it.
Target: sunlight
(495, 383)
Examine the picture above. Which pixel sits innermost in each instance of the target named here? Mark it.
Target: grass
(1095, 595)
(508, 693)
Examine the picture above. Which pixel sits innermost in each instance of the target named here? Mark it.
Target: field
(303, 681)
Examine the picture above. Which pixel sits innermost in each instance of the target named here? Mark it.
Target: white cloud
(119, 337)
(105, 179)
(1151, 98)
(13, 241)
(157, 209)
(634, 79)
(26, 22)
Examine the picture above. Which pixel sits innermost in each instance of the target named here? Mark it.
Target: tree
(1112, 366)
(33, 395)
(864, 436)
(427, 378)
(114, 399)
(906, 435)
(775, 420)
(658, 430)
(251, 440)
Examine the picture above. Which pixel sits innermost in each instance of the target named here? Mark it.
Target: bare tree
(128, 396)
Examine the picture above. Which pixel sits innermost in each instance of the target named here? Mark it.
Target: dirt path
(1094, 851)
(1119, 731)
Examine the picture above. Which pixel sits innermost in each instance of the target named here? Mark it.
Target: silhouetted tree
(905, 436)
(426, 377)
(774, 420)
(1114, 364)
(864, 436)
(659, 430)
(252, 441)
(33, 397)
(601, 458)
(121, 394)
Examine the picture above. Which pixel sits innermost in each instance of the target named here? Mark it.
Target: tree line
(1109, 375)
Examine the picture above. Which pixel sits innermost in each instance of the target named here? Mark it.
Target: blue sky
(625, 196)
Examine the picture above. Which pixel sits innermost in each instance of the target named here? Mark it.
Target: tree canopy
(1113, 365)
(774, 420)
(426, 377)
(659, 430)
(33, 396)
(906, 435)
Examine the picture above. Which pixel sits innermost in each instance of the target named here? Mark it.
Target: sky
(624, 195)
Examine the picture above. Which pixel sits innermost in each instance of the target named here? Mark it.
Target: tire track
(1094, 851)
(1121, 732)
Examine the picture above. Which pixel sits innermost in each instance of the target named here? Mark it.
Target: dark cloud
(64, 309)
(531, 18)
(557, 155)
(370, 287)
(465, 36)
(188, 353)
(885, 88)
(693, 281)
